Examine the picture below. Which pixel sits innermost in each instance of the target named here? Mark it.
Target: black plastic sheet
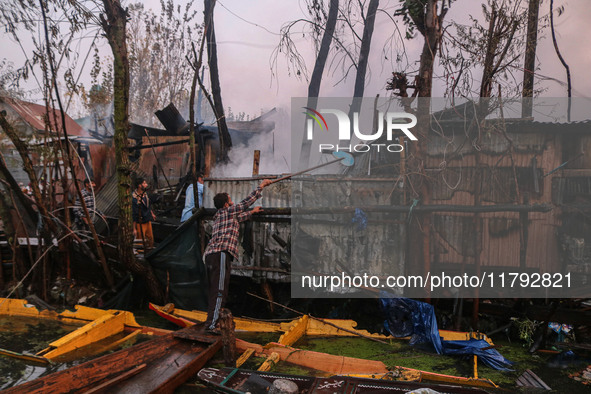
(178, 265)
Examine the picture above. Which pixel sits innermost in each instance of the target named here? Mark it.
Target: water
(27, 336)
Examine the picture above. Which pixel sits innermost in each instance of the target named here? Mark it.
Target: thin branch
(568, 81)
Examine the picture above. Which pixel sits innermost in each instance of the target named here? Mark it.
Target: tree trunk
(370, 19)
(192, 135)
(359, 88)
(316, 78)
(530, 57)
(331, 21)
(114, 24)
(420, 252)
(566, 67)
(216, 91)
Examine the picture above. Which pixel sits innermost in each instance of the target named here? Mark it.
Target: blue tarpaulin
(406, 317)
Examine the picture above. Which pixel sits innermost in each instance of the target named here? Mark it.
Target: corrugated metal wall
(456, 180)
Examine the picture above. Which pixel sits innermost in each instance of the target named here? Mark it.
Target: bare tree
(529, 66)
(319, 65)
(114, 21)
(323, 50)
(495, 48)
(566, 67)
(339, 32)
(157, 46)
(427, 17)
(49, 42)
(216, 91)
(369, 21)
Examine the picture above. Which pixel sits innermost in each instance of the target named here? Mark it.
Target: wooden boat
(341, 365)
(155, 366)
(237, 381)
(183, 318)
(293, 330)
(305, 325)
(79, 315)
(112, 327)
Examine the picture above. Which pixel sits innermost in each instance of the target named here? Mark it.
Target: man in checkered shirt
(223, 248)
(88, 196)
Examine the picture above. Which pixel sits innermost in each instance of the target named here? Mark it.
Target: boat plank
(296, 331)
(109, 383)
(101, 328)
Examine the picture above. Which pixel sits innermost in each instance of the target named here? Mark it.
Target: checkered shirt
(88, 200)
(226, 224)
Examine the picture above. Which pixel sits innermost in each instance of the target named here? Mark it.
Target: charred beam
(139, 147)
(401, 209)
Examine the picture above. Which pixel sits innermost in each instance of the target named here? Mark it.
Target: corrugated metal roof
(107, 198)
(517, 126)
(34, 115)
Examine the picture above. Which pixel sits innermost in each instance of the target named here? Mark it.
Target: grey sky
(245, 51)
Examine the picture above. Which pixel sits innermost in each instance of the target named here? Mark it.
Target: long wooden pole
(403, 209)
(306, 170)
(319, 319)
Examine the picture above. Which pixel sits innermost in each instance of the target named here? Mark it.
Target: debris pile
(584, 376)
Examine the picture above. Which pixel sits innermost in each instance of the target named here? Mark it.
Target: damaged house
(516, 199)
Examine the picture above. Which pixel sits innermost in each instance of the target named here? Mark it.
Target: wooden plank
(536, 378)
(27, 357)
(79, 315)
(103, 327)
(297, 331)
(243, 357)
(184, 318)
(195, 336)
(111, 382)
(329, 363)
(255, 162)
(270, 362)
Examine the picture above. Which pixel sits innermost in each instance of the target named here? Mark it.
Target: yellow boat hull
(97, 326)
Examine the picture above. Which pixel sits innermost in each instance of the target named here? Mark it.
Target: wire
(249, 22)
